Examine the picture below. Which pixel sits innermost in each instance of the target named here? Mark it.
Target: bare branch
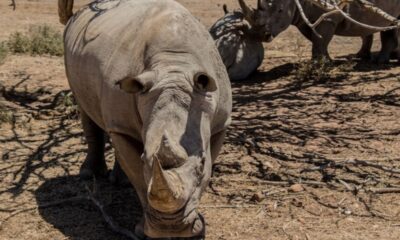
(334, 7)
(306, 20)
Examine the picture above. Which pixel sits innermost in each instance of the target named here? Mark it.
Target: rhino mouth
(183, 223)
(268, 37)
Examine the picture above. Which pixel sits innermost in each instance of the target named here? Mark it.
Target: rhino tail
(65, 10)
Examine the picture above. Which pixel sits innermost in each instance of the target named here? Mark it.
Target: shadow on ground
(79, 218)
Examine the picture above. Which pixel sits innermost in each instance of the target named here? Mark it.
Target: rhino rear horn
(248, 12)
(141, 83)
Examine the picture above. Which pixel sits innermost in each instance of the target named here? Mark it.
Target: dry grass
(5, 115)
(3, 52)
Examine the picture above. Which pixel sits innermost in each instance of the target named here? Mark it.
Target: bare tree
(332, 7)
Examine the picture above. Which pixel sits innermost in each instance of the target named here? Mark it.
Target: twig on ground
(232, 206)
(91, 197)
(114, 226)
(384, 190)
(367, 164)
(347, 186)
(307, 236)
(42, 206)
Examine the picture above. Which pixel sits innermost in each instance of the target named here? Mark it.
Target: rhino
(274, 16)
(241, 49)
(148, 74)
(365, 51)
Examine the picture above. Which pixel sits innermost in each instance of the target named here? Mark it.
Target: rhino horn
(170, 153)
(166, 190)
(248, 12)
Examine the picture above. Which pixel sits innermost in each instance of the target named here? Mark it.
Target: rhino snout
(268, 37)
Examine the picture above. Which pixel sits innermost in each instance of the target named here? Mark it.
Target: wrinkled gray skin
(276, 16)
(241, 53)
(148, 73)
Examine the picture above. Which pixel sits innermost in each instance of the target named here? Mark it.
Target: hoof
(118, 177)
(364, 56)
(139, 229)
(381, 59)
(90, 169)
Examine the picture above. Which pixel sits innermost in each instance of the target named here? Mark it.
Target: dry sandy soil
(310, 154)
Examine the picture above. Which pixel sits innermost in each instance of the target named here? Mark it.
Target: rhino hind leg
(94, 164)
(389, 44)
(365, 51)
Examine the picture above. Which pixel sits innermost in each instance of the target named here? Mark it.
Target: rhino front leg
(365, 51)
(320, 44)
(94, 164)
(117, 175)
(128, 154)
(389, 44)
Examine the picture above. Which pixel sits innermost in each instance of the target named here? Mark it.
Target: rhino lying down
(241, 52)
(148, 73)
(276, 15)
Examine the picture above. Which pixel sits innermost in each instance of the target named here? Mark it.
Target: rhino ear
(141, 83)
(204, 83)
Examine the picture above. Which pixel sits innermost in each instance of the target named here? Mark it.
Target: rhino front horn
(249, 13)
(166, 191)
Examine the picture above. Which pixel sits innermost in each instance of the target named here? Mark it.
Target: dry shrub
(39, 40)
(314, 70)
(5, 115)
(3, 52)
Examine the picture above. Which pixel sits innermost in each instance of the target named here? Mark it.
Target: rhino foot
(381, 59)
(89, 169)
(364, 56)
(118, 177)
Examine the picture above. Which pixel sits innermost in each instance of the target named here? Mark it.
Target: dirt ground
(310, 154)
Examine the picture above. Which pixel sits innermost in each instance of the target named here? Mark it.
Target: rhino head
(271, 16)
(176, 109)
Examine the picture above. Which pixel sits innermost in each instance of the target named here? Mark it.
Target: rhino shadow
(267, 76)
(82, 219)
(365, 65)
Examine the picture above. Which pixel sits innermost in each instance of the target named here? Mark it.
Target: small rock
(257, 197)
(348, 212)
(297, 203)
(296, 188)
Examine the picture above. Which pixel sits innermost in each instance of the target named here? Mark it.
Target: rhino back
(346, 28)
(110, 40)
